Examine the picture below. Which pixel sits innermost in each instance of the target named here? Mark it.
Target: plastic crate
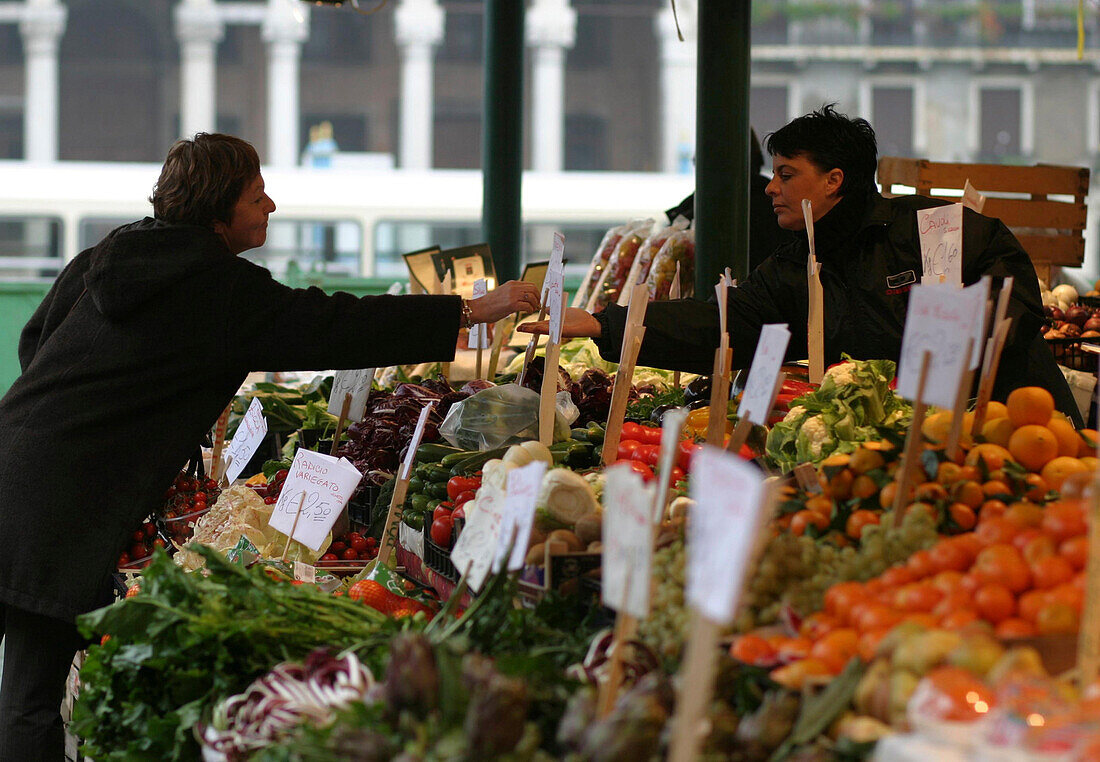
(439, 560)
(361, 506)
(1072, 353)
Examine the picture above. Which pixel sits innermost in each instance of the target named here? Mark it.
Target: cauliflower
(794, 413)
(842, 373)
(816, 434)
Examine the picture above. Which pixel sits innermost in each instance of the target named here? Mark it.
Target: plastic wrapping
(678, 248)
(643, 260)
(619, 266)
(599, 260)
(503, 415)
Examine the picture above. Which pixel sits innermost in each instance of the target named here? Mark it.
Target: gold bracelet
(467, 314)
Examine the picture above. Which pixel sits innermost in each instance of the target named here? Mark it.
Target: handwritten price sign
(722, 532)
(941, 243)
(357, 383)
(519, 513)
(770, 349)
(479, 332)
(328, 483)
(250, 433)
(628, 542)
(475, 550)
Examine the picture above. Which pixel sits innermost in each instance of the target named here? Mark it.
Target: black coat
(869, 250)
(129, 360)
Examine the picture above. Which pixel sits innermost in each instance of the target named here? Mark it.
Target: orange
(835, 649)
(1059, 469)
(947, 473)
(947, 556)
(969, 493)
(877, 617)
(1036, 487)
(1015, 628)
(969, 543)
(858, 520)
(864, 487)
(995, 410)
(896, 576)
(963, 515)
(841, 597)
(930, 492)
(1076, 551)
(1002, 564)
(1087, 446)
(994, 602)
(1090, 462)
(948, 581)
(869, 640)
(1033, 446)
(1057, 617)
(1024, 514)
(1064, 519)
(996, 530)
(1051, 571)
(998, 431)
(1029, 405)
(937, 426)
(1038, 547)
(993, 455)
(1068, 593)
(992, 508)
(997, 488)
(959, 619)
(753, 649)
(1029, 604)
(805, 519)
(865, 459)
(918, 597)
(953, 600)
(1069, 441)
(921, 564)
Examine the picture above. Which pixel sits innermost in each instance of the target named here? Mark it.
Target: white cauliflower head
(842, 373)
(793, 413)
(816, 433)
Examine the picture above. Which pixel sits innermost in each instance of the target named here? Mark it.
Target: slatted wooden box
(1051, 230)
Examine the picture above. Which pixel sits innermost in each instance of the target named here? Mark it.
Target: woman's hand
(513, 296)
(575, 323)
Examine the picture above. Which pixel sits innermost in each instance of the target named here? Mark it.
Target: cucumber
(419, 502)
(476, 461)
(595, 433)
(579, 435)
(433, 452)
(430, 472)
(456, 457)
(416, 485)
(436, 489)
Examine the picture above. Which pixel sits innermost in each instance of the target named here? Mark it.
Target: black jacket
(765, 235)
(869, 250)
(135, 351)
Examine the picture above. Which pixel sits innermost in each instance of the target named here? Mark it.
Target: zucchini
(433, 452)
(476, 461)
(456, 457)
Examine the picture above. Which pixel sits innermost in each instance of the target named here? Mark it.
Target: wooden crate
(1051, 231)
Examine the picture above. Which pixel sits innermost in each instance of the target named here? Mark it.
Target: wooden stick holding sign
(744, 425)
(763, 384)
(912, 441)
(501, 331)
(294, 526)
(991, 362)
(720, 378)
(401, 488)
(731, 505)
(445, 286)
(344, 408)
(532, 343)
(815, 317)
(216, 469)
(674, 292)
(624, 376)
(555, 303)
(626, 627)
(966, 379)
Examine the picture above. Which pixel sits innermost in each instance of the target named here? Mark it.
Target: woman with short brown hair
(137, 348)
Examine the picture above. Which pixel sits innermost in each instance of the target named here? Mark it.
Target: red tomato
(359, 543)
(640, 468)
(338, 547)
(441, 531)
(627, 448)
(441, 510)
(649, 454)
(649, 435)
(350, 537)
(677, 475)
(465, 497)
(631, 430)
(458, 513)
(687, 450)
(350, 554)
(459, 484)
(327, 557)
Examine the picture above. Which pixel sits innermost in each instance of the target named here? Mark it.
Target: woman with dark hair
(137, 348)
(869, 250)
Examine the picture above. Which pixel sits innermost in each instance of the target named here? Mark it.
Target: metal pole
(502, 139)
(722, 142)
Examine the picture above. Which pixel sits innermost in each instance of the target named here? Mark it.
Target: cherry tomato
(270, 500)
(281, 475)
(139, 535)
(350, 554)
(349, 538)
(359, 543)
(150, 528)
(158, 543)
(338, 547)
(124, 559)
(677, 475)
(441, 531)
(138, 551)
(640, 468)
(210, 485)
(441, 510)
(329, 557)
(649, 454)
(687, 450)
(627, 448)
(459, 484)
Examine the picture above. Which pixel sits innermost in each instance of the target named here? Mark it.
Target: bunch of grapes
(796, 571)
(664, 629)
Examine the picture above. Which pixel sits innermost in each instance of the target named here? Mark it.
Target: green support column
(502, 138)
(722, 142)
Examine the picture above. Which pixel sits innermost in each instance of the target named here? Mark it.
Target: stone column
(551, 30)
(285, 28)
(199, 29)
(678, 68)
(418, 26)
(42, 25)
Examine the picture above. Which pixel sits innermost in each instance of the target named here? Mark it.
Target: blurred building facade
(609, 84)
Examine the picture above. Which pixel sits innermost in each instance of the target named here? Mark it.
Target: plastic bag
(678, 248)
(618, 266)
(643, 260)
(595, 270)
(503, 415)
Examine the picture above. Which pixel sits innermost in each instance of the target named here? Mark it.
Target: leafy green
(188, 640)
(853, 405)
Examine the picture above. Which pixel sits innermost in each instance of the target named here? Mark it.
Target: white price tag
(628, 542)
(357, 383)
(414, 444)
(672, 423)
(766, 362)
(328, 483)
(479, 332)
(305, 572)
(940, 231)
(519, 513)
(468, 271)
(725, 520)
(553, 290)
(940, 320)
(557, 252)
(475, 550)
(250, 433)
